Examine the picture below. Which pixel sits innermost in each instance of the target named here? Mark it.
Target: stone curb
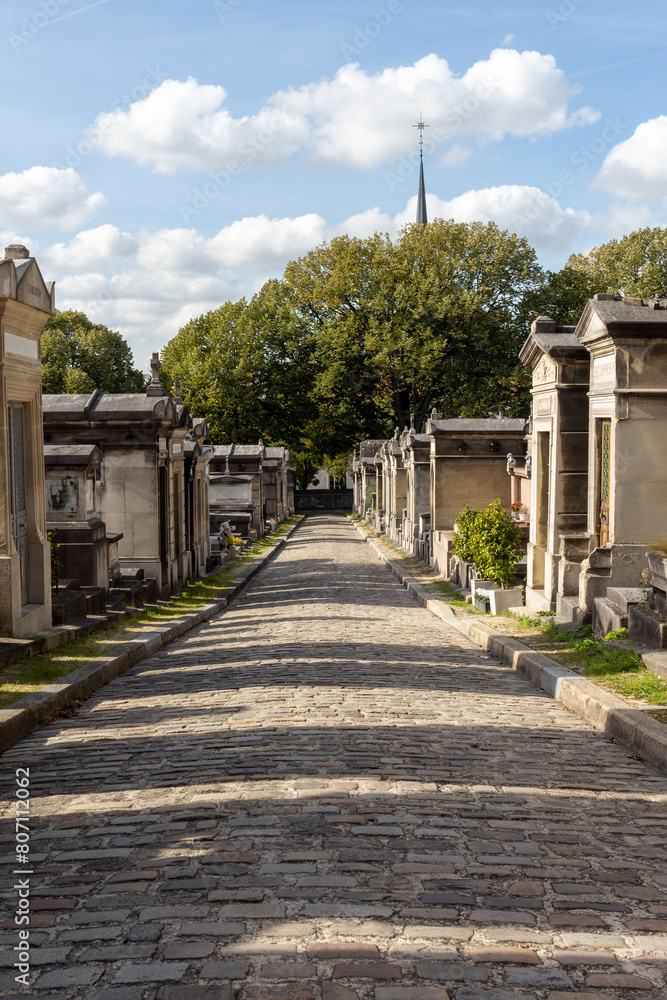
(615, 718)
(25, 715)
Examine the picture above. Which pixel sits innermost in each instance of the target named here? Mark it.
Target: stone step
(623, 597)
(607, 617)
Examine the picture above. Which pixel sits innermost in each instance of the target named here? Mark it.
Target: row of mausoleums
(588, 469)
(121, 481)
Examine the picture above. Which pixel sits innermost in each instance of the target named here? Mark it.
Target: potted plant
(517, 510)
(491, 539)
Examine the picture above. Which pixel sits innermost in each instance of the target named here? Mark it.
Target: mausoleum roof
(483, 425)
(108, 407)
(246, 450)
(370, 448)
(631, 317)
(72, 454)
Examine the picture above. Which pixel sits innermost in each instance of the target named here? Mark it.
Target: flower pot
(485, 585)
(502, 600)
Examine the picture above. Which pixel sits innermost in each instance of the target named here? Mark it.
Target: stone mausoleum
(26, 302)
(152, 482)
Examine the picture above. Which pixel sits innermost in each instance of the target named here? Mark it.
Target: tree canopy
(359, 334)
(79, 356)
(635, 265)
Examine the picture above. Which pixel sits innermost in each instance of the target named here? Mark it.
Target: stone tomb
(468, 466)
(559, 461)
(416, 449)
(152, 485)
(26, 302)
(368, 483)
(276, 491)
(627, 463)
(72, 513)
(245, 460)
(394, 488)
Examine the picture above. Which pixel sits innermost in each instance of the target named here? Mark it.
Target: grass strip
(30, 673)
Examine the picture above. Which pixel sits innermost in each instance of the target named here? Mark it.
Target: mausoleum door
(16, 423)
(605, 456)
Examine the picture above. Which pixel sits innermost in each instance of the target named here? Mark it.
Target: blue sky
(162, 158)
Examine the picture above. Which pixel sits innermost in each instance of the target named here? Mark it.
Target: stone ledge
(630, 726)
(37, 708)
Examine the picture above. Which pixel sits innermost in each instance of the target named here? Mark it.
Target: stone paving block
(335, 991)
(62, 978)
(536, 977)
(472, 993)
(584, 957)
(155, 972)
(225, 970)
(288, 970)
(188, 949)
(191, 992)
(324, 951)
(434, 970)
(526, 956)
(213, 928)
(367, 970)
(410, 993)
(117, 993)
(579, 995)
(116, 953)
(428, 932)
(293, 991)
(620, 980)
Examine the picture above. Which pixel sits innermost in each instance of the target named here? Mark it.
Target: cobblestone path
(328, 793)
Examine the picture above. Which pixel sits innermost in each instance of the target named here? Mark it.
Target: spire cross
(421, 126)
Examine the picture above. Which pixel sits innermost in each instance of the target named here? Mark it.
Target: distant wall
(323, 499)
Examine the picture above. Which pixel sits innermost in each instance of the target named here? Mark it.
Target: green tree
(79, 356)
(635, 265)
(435, 318)
(563, 295)
(248, 367)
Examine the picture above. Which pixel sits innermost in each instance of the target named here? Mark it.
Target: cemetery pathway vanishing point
(326, 792)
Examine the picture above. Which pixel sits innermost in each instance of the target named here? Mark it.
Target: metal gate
(18, 490)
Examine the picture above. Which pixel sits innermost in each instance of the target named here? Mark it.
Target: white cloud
(42, 197)
(355, 119)
(455, 156)
(637, 167)
(92, 248)
(149, 284)
(524, 210)
(182, 125)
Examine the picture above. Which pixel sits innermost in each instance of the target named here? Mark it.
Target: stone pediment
(29, 286)
(544, 372)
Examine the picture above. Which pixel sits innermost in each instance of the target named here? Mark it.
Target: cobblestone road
(328, 793)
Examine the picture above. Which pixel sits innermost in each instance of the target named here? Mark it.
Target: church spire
(422, 216)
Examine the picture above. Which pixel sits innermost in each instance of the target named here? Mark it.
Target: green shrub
(464, 536)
